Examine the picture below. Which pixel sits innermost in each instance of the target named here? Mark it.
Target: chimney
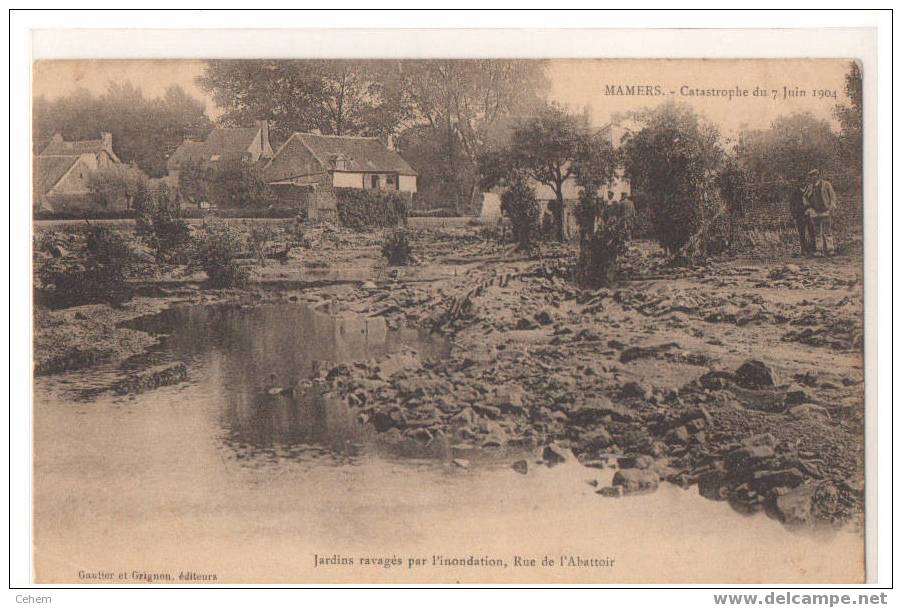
(107, 139)
(390, 141)
(266, 148)
(57, 138)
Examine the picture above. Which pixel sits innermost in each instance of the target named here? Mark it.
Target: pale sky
(576, 83)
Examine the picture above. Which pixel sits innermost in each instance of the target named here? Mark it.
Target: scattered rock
(598, 409)
(807, 410)
(748, 458)
(461, 463)
(611, 491)
(755, 374)
(763, 481)
(635, 481)
(796, 395)
(464, 417)
(421, 434)
(634, 390)
(521, 466)
(526, 324)
(795, 507)
(639, 461)
(489, 411)
(597, 439)
(679, 434)
(383, 421)
(644, 352)
(544, 318)
(510, 398)
(554, 454)
(713, 485)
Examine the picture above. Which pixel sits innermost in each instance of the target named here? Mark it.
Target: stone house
(306, 168)
(61, 171)
(223, 146)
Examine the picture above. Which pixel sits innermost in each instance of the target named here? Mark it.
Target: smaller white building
(491, 206)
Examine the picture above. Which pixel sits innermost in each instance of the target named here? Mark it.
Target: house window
(390, 182)
(374, 182)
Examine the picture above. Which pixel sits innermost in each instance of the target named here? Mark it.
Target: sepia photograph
(448, 320)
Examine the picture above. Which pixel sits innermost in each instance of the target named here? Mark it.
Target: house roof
(49, 170)
(190, 151)
(231, 143)
(362, 154)
(226, 143)
(57, 147)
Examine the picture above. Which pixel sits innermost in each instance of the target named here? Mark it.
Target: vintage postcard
(419, 320)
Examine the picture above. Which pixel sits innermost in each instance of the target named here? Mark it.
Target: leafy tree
(115, 186)
(850, 118)
(450, 110)
(777, 159)
(792, 146)
(335, 97)
(549, 148)
(470, 106)
(445, 176)
(145, 131)
(673, 160)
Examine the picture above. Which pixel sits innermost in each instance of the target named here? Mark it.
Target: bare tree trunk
(559, 215)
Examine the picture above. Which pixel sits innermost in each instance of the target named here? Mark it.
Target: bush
(519, 204)
(397, 249)
(158, 222)
(674, 160)
(215, 249)
(96, 273)
(364, 210)
(232, 185)
(604, 232)
(116, 186)
(259, 235)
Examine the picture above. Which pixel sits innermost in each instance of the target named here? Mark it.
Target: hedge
(367, 209)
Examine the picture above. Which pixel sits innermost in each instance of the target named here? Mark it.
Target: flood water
(214, 476)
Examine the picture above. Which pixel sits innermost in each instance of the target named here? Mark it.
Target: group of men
(812, 207)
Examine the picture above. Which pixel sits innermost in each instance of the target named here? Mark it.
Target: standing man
(799, 212)
(821, 202)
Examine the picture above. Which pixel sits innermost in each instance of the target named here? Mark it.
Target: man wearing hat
(799, 211)
(820, 199)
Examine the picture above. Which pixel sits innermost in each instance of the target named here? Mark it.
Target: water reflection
(239, 356)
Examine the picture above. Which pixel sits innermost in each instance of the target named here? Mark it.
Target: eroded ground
(742, 376)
